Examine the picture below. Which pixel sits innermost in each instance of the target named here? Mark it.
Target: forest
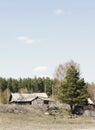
(25, 85)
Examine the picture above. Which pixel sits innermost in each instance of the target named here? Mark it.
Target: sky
(38, 35)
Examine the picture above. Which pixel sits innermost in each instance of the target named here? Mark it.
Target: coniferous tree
(73, 89)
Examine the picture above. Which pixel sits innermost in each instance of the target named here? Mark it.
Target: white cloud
(41, 68)
(26, 40)
(59, 12)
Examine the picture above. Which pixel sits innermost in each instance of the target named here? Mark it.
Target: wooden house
(33, 98)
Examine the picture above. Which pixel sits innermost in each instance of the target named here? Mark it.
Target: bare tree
(91, 91)
(59, 75)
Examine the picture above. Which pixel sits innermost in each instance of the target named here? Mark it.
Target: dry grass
(35, 119)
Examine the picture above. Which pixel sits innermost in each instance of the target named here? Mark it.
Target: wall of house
(21, 103)
(38, 101)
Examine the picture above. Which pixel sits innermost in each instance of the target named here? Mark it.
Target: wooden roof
(26, 97)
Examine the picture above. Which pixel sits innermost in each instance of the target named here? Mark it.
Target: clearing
(13, 117)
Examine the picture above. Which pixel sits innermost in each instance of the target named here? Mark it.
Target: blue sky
(38, 35)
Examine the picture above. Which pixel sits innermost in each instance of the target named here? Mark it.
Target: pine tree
(73, 89)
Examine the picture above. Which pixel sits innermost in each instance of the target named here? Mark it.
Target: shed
(90, 101)
(32, 98)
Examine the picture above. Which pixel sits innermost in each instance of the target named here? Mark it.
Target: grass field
(33, 119)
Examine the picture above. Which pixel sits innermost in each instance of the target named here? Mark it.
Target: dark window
(46, 102)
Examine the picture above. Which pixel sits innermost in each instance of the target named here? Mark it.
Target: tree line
(24, 85)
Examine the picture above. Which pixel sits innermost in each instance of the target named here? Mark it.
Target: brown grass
(33, 118)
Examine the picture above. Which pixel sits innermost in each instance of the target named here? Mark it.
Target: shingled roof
(25, 97)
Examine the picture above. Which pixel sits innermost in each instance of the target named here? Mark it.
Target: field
(32, 118)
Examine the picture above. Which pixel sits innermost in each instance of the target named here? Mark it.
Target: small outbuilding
(90, 102)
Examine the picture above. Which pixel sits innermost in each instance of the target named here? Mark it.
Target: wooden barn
(33, 98)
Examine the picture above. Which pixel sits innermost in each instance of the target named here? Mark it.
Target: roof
(44, 95)
(25, 97)
(90, 101)
(46, 99)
